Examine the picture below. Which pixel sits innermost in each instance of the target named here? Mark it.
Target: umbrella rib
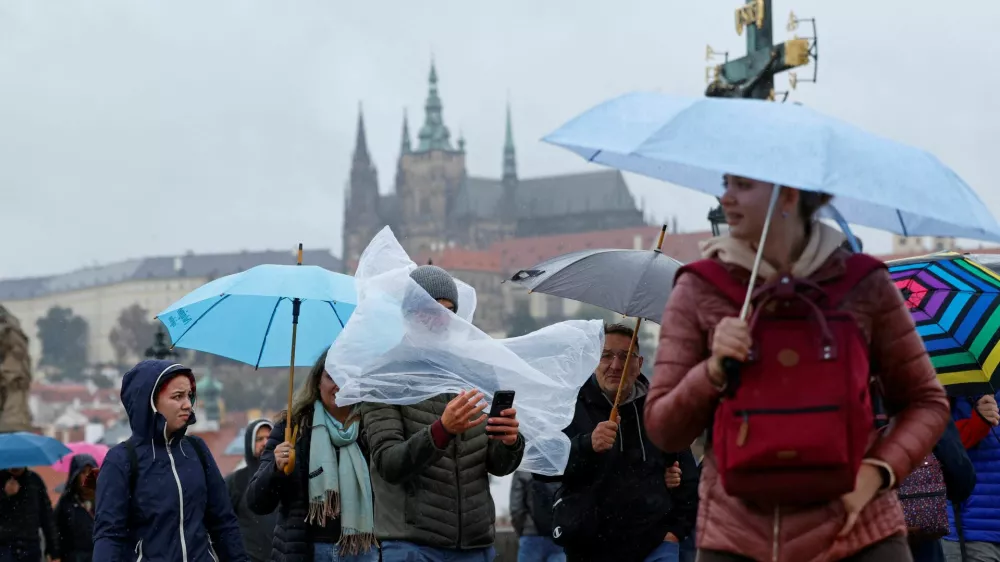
(263, 341)
(335, 313)
(196, 320)
(902, 224)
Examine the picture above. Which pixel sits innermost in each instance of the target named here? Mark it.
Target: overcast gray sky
(132, 129)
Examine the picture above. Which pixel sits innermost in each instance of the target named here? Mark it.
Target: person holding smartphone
(431, 461)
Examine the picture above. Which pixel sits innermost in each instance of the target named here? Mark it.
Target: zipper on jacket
(458, 482)
(744, 431)
(180, 498)
(776, 544)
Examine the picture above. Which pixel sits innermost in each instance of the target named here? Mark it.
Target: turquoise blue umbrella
(248, 316)
(693, 142)
(254, 317)
(22, 449)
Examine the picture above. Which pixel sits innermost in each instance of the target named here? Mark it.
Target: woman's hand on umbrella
(281, 455)
(731, 339)
(987, 407)
(504, 428)
(11, 487)
(458, 414)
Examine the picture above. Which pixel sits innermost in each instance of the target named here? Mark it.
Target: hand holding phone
(502, 423)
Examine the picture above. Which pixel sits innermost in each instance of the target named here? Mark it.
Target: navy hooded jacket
(173, 512)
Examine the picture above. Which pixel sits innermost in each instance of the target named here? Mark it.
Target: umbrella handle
(291, 435)
(628, 358)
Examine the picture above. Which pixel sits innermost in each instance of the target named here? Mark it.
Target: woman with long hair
(701, 328)
(324, 506)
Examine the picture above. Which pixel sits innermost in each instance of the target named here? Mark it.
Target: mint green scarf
(342, 489)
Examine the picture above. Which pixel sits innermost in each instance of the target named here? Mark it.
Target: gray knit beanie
(437, 283)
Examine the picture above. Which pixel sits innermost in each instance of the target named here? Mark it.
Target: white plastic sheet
(402, 347)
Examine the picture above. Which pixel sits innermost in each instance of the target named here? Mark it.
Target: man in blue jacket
(160, 496)
(975, 535)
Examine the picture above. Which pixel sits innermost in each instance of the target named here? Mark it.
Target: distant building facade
(100, 294)
(435, 204)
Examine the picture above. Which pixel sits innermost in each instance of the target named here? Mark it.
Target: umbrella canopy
(955, 303)
(247, 316)
(96, 450)
(22, 449)
(633, 283)
(693, 142)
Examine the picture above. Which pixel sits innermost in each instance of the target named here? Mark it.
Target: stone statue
(15, 375)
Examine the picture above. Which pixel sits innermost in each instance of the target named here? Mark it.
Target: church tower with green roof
(429, 177)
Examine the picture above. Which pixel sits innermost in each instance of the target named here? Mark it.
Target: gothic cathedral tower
(361, 208)
(428, 180)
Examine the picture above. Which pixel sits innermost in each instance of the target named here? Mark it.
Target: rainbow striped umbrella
(955, 302)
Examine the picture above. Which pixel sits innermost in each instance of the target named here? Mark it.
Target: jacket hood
(139, 388)
(248, 439)
(76, 466)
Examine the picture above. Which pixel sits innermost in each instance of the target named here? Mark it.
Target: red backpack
(796, 423)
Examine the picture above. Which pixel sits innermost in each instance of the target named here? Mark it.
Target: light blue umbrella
(247, 316)
(692, 142)
(254, 317)
(22, 449)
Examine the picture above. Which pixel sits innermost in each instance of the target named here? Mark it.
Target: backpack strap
(856, 268)
(718, 276)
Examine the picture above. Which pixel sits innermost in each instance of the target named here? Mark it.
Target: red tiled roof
(460, 259)
(217, 442)
(104, 416)
(519, 253)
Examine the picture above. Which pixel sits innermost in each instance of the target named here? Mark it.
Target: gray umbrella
(634, 283)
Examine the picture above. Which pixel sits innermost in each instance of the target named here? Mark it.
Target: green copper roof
(208, 382)
(509, 160)
(433, 135)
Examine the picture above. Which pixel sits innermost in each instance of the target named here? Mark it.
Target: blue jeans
(688, 550)
(402, 551)
(539, 549)
(30, 552)
(329, 552)
(666, 552)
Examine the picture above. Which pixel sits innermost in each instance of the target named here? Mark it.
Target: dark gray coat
(429, 496)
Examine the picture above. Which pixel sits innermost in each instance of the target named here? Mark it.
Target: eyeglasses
(608, 356)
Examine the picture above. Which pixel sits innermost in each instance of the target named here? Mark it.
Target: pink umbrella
(95, 450)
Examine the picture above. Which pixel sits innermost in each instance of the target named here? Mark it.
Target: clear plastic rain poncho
(401, 347)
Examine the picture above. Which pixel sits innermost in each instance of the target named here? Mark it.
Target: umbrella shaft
(760, 250)
(291, 375)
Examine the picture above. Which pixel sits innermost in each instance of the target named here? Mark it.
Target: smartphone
(502, 400)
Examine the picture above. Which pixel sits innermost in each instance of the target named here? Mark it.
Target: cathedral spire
(361, 141)
(433, 135)
(404, 145)
(509, 158)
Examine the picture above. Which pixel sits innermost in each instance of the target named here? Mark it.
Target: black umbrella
(633, 283)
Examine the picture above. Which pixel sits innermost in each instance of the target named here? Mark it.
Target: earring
(784, 214)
